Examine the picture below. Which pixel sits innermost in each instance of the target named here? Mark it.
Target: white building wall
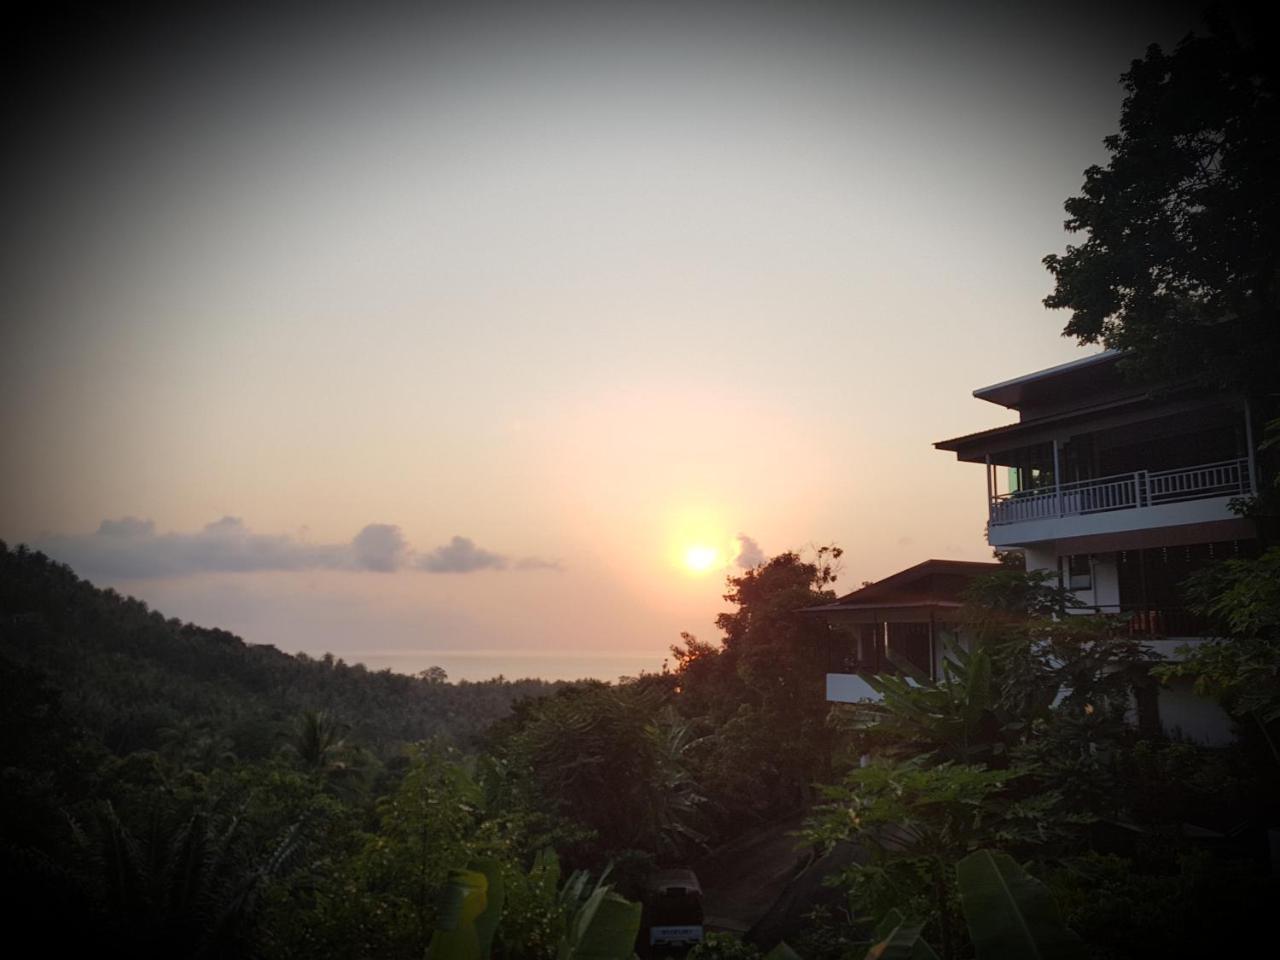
(849, 688)
(1048, 529)
(944, 638)
(1106, 582)
(1040, 556)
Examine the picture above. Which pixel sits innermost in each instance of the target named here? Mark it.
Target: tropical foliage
(177, 803)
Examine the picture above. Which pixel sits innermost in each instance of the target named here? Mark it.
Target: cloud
(537, 563)
(460, 555)
(127, 527)
(749, 553)
(380, 546)
(130, 548)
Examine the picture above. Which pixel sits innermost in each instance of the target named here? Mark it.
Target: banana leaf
(495, 896)
(903, 943)
(898, 940)
(604, 928)
(463, 900)
(1011, 914)
(782, 952)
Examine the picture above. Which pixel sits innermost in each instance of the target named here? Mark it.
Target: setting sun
(700, 559)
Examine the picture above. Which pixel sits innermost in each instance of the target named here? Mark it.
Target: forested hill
(138, 681)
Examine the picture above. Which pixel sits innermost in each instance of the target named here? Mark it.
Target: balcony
(1123, 502)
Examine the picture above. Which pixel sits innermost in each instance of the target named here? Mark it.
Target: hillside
(136, 680)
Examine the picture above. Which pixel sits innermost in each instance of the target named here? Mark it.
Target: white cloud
(379, 546)
(749, 553)
(130, 548)
(460, 555)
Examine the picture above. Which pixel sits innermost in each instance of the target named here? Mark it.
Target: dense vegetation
(179, 793)
(1033, 743)
(167, 790)
(183, 793)
(137, 680)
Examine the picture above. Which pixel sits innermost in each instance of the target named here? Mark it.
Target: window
(1079, 572)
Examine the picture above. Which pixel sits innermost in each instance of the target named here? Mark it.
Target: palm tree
(190, 887)
(317, 740)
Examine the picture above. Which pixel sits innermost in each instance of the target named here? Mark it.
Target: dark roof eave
(860, 607)
(1029, 428)
(1007, 393)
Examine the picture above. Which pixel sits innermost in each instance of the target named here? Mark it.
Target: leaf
(495, 896)
(604, 929)
(888, 923)
(1011, 914)
(782, 952)
(903, 943)
(547, 866)
(977, 687)
(463, 900)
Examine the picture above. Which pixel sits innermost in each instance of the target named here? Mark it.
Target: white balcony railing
(1125, 491)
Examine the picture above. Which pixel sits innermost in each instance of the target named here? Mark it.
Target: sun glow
(697, 544)
(700, 559)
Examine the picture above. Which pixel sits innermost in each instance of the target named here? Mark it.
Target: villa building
(907, 618)
(1121, 490)
(1118, 489)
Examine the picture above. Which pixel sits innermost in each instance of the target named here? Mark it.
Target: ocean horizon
(510, 664)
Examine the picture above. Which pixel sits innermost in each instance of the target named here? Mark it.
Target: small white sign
(685, 934)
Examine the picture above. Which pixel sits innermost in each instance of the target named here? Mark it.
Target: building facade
(1120, 491)
(901, 623)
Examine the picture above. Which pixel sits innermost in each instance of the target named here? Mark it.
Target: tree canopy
(1180, 266)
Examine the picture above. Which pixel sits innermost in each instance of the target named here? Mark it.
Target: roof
(1017, 431)
(1105, 414)
(931, 584)
(1034, 387)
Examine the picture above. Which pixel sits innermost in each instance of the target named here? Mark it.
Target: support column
(1057, 479)
(1248, 439)
(933, 652)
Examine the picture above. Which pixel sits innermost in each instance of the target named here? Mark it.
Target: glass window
(1079, 572)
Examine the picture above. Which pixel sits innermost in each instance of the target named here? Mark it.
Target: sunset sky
(444, 337)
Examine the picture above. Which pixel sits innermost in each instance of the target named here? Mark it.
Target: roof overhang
(858, 613)
(976, 447)
(929, 590)
(1030, 386)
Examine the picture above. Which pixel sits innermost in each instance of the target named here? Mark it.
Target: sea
(511, 664)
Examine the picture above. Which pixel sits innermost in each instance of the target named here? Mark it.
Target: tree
(780, 651)
(615, 760)
(1241, 668)
(1181, 265)
(915, 821)
(777, 648)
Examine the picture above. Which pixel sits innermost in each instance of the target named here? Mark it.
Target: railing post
(1248, 439)
(991, 492)
(1057, 480)
(1140, 491)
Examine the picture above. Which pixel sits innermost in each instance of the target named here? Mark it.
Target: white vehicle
(674, 909)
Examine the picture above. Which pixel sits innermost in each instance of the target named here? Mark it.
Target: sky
(496, 336)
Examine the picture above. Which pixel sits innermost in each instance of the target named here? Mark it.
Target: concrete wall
(1040, 556)
(1110, 522)
(943, 637)
(1105, 589)
(1182, 712)
(849, 688)
(1106, 581)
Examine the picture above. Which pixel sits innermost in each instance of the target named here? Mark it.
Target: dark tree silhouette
(1181, 262)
